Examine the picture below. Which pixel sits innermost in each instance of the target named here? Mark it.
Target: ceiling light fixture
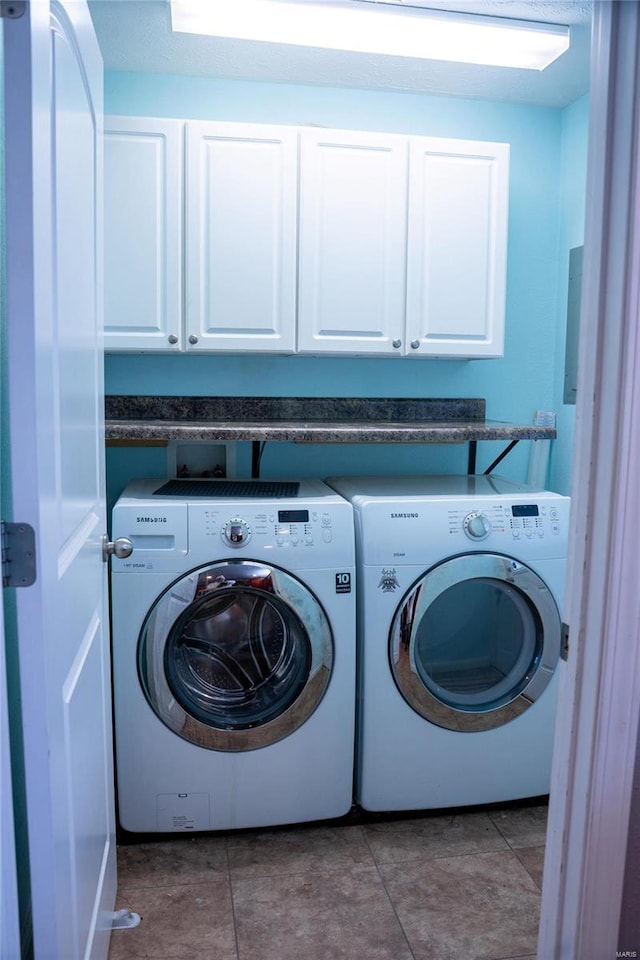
(377, 28)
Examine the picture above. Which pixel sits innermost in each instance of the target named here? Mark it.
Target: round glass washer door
(475, 642)
(235, 655)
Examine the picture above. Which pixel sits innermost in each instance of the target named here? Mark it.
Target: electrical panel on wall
(200, 459)
(573, 325)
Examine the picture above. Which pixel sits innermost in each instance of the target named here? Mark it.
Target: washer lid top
(447, 486)
(306, 488)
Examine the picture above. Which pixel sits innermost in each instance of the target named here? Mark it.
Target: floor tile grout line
(497, 829)
(440, 856)
(506, 839)
(233, 905)
(303, 871)
(127, 891)
(538, 885)
(375, 862)
(499, 836)
(391, 903)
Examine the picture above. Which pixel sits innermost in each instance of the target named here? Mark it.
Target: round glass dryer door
(475, 642)
(235, 655)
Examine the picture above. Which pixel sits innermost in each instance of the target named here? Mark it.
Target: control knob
(236, 532)
(476, 526)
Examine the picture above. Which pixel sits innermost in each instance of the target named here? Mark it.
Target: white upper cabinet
(143, 234)
(302, 240)
(457, 247)
(352, 242)
(402, 245)
(241, 225)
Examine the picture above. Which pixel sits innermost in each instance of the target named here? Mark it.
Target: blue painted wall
(573, 182)
(514, 386)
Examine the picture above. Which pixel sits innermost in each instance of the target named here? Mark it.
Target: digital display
(525, 510)
(293, 516)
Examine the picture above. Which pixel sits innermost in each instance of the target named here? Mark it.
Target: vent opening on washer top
(228, 488)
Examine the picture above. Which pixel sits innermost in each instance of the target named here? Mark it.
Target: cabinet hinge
(18, 554)
(12, 9)
(564, 641)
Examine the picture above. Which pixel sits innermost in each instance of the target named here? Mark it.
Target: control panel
(532, 520)
(520, 521)
(293, 531)
(421, 530)
(282, 528)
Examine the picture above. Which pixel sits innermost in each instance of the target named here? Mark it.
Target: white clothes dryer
(460, 586)
(233, 654)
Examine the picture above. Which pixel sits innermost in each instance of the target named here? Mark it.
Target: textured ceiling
(136, 35)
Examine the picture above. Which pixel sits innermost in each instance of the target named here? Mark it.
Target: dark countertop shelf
(301, 432)
(309, 420)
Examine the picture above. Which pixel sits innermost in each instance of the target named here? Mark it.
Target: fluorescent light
(380, 28)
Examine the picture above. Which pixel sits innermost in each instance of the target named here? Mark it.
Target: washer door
(475, 642)
(235, 655)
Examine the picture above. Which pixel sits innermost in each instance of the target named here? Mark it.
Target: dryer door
(475, 642)
(235, 655)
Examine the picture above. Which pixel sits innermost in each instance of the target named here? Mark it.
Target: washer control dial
(236, 532)
(476, 526)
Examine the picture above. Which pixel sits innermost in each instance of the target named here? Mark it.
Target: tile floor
(445, 886)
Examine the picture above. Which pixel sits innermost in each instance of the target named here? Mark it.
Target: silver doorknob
(172, 338)
(120, 548)
(193, 338)
(396, 344)
(415, 344)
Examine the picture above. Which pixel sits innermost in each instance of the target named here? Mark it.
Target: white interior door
(594, 761)
(53, 90)
(9, 926)
(9, 932)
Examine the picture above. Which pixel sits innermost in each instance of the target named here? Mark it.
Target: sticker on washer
(343, 583)
(388, 581)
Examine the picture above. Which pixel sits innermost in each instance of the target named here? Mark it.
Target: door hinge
(18, 554)
(12, 9)
(564, 641)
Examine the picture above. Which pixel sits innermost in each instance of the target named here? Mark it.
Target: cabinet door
(143, 234)
(456, 267)
(241, 237)
(353, 199)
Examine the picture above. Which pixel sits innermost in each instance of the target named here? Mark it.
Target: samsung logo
(404, 516)
(151, 519)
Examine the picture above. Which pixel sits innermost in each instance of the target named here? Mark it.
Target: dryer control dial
(236, 532)
(476, 526)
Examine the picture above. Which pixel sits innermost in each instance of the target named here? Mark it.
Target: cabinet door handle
(173, 338)
(193, 338)
(396, 344)
(415, 344)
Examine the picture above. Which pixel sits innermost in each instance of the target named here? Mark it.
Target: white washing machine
(233, 654)
(460, 585)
